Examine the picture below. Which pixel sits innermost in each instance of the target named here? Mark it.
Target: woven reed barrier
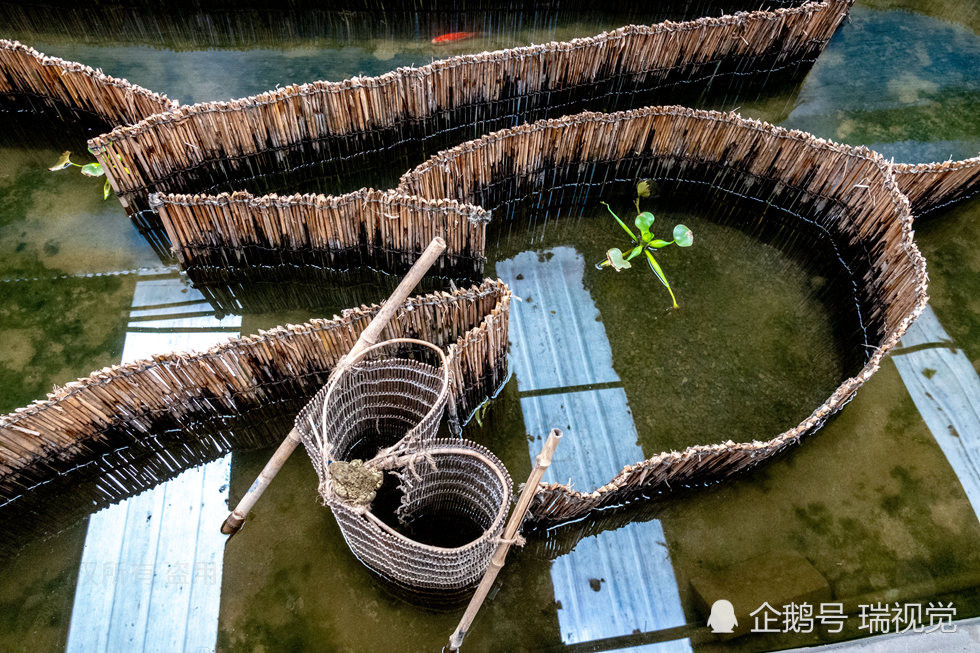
(224, 239)
(191, 24)
(931, 187)
(129, 427)
(299, 128)
(34, 81)
(849, 192)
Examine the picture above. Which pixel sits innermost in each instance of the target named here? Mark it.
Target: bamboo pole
(234, 522)
(541, 464)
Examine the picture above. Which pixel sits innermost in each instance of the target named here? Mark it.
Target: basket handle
(234, 522)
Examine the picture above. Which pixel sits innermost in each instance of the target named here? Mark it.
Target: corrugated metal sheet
(619, 581)
(946, 390)
(150, 577)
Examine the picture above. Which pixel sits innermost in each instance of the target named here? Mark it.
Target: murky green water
(763, 333)
(871, 501)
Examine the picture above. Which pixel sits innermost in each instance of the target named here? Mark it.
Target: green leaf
(106, 189)
(659, 244)
(120, 164)
(63, 162)
(621, 223)
(92, 170)
(615, 258)
(643, 222)
(634, 252)
(683, 236)
(643, 189)
(660, 275)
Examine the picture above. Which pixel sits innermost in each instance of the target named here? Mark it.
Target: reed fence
(931, 187)
(850, 193)
(277, 138)
(223, 240)
(70, 90)
(196, 24)
(128, 427)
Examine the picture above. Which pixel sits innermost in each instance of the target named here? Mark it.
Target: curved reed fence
(848, 193)
(36, 82)
(126, 428)
(283, 138)
(931, 187)
(231, 239)
(192, 24)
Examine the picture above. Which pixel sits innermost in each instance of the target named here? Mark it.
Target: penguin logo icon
(722, 619)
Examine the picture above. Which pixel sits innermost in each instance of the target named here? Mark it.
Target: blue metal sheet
(150, 577)
(557, 338)
(558, 344)
(946, 389)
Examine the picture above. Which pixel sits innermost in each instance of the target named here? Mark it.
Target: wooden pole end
(232, 524)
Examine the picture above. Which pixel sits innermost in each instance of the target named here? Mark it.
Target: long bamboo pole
(541, 464)
(234, 522)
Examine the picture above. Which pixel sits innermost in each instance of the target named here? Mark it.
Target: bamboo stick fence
(851, 193)
(128, 427)
(204, 147)
(934, 186)
(195, 24)
(223, 240)
(70, 89)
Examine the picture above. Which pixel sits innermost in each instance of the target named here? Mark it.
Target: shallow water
(871, 501)
(763, 333)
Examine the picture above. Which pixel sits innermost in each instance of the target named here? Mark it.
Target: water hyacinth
(646, 242)
(89, 170)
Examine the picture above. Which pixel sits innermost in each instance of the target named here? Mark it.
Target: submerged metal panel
(557, 336)
(946, 390)
(150, 577)
(618, 581)
(601, 436)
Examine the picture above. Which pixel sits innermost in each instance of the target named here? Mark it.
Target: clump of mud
(355, 483)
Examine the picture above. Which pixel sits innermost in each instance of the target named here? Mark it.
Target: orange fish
(452, 37)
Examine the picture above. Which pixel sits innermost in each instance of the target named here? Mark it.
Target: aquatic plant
(646, 242)
(87, 169)
(481, 412)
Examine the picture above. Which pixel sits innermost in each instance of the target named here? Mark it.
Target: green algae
(36, 593)
(948, 241)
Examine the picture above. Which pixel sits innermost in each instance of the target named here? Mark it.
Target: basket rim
(464, 448)
(345, 364)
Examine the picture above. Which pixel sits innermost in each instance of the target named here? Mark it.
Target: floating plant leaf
(683, 236)
(643, 222)
(616, 260)
(621, 223)
(643, 189)
(106, 189)
(92, 170)
(634, 252)
(63, 162)
(660, 275)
